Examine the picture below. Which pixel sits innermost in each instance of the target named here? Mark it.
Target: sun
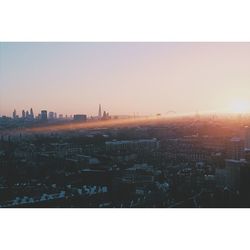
(240, 106)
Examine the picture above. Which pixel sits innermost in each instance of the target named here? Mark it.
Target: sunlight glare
(240, 106)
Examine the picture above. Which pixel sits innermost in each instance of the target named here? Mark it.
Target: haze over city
(127, 78)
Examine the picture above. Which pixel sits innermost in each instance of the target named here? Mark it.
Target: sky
(126, 78)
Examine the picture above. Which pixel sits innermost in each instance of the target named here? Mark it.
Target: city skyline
(31, 115)
(141, 78)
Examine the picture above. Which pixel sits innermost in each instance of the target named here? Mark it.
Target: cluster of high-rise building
(43, 115)
(25, 114)
(29, 115)
(103, 116)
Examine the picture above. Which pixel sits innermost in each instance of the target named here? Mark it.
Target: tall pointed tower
(100, 112)
(31, 114)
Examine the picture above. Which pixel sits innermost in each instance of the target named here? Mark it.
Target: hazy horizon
(126, 78)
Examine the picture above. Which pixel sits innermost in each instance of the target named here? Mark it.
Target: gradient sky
(145, 78)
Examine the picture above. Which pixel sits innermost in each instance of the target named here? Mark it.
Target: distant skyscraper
(23, 114)
(31, 114)
(14, 114)
(27, 114)
(100, 112)
(51, 115)
(44, 115)
(105, 115)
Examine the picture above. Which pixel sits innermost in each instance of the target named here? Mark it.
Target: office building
(80, 118)
(51, 115)
(44, 115)
(235, 149)
(132, 145)
(247, 137)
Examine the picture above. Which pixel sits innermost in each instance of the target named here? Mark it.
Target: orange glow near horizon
(96, 124)
(119, 123)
